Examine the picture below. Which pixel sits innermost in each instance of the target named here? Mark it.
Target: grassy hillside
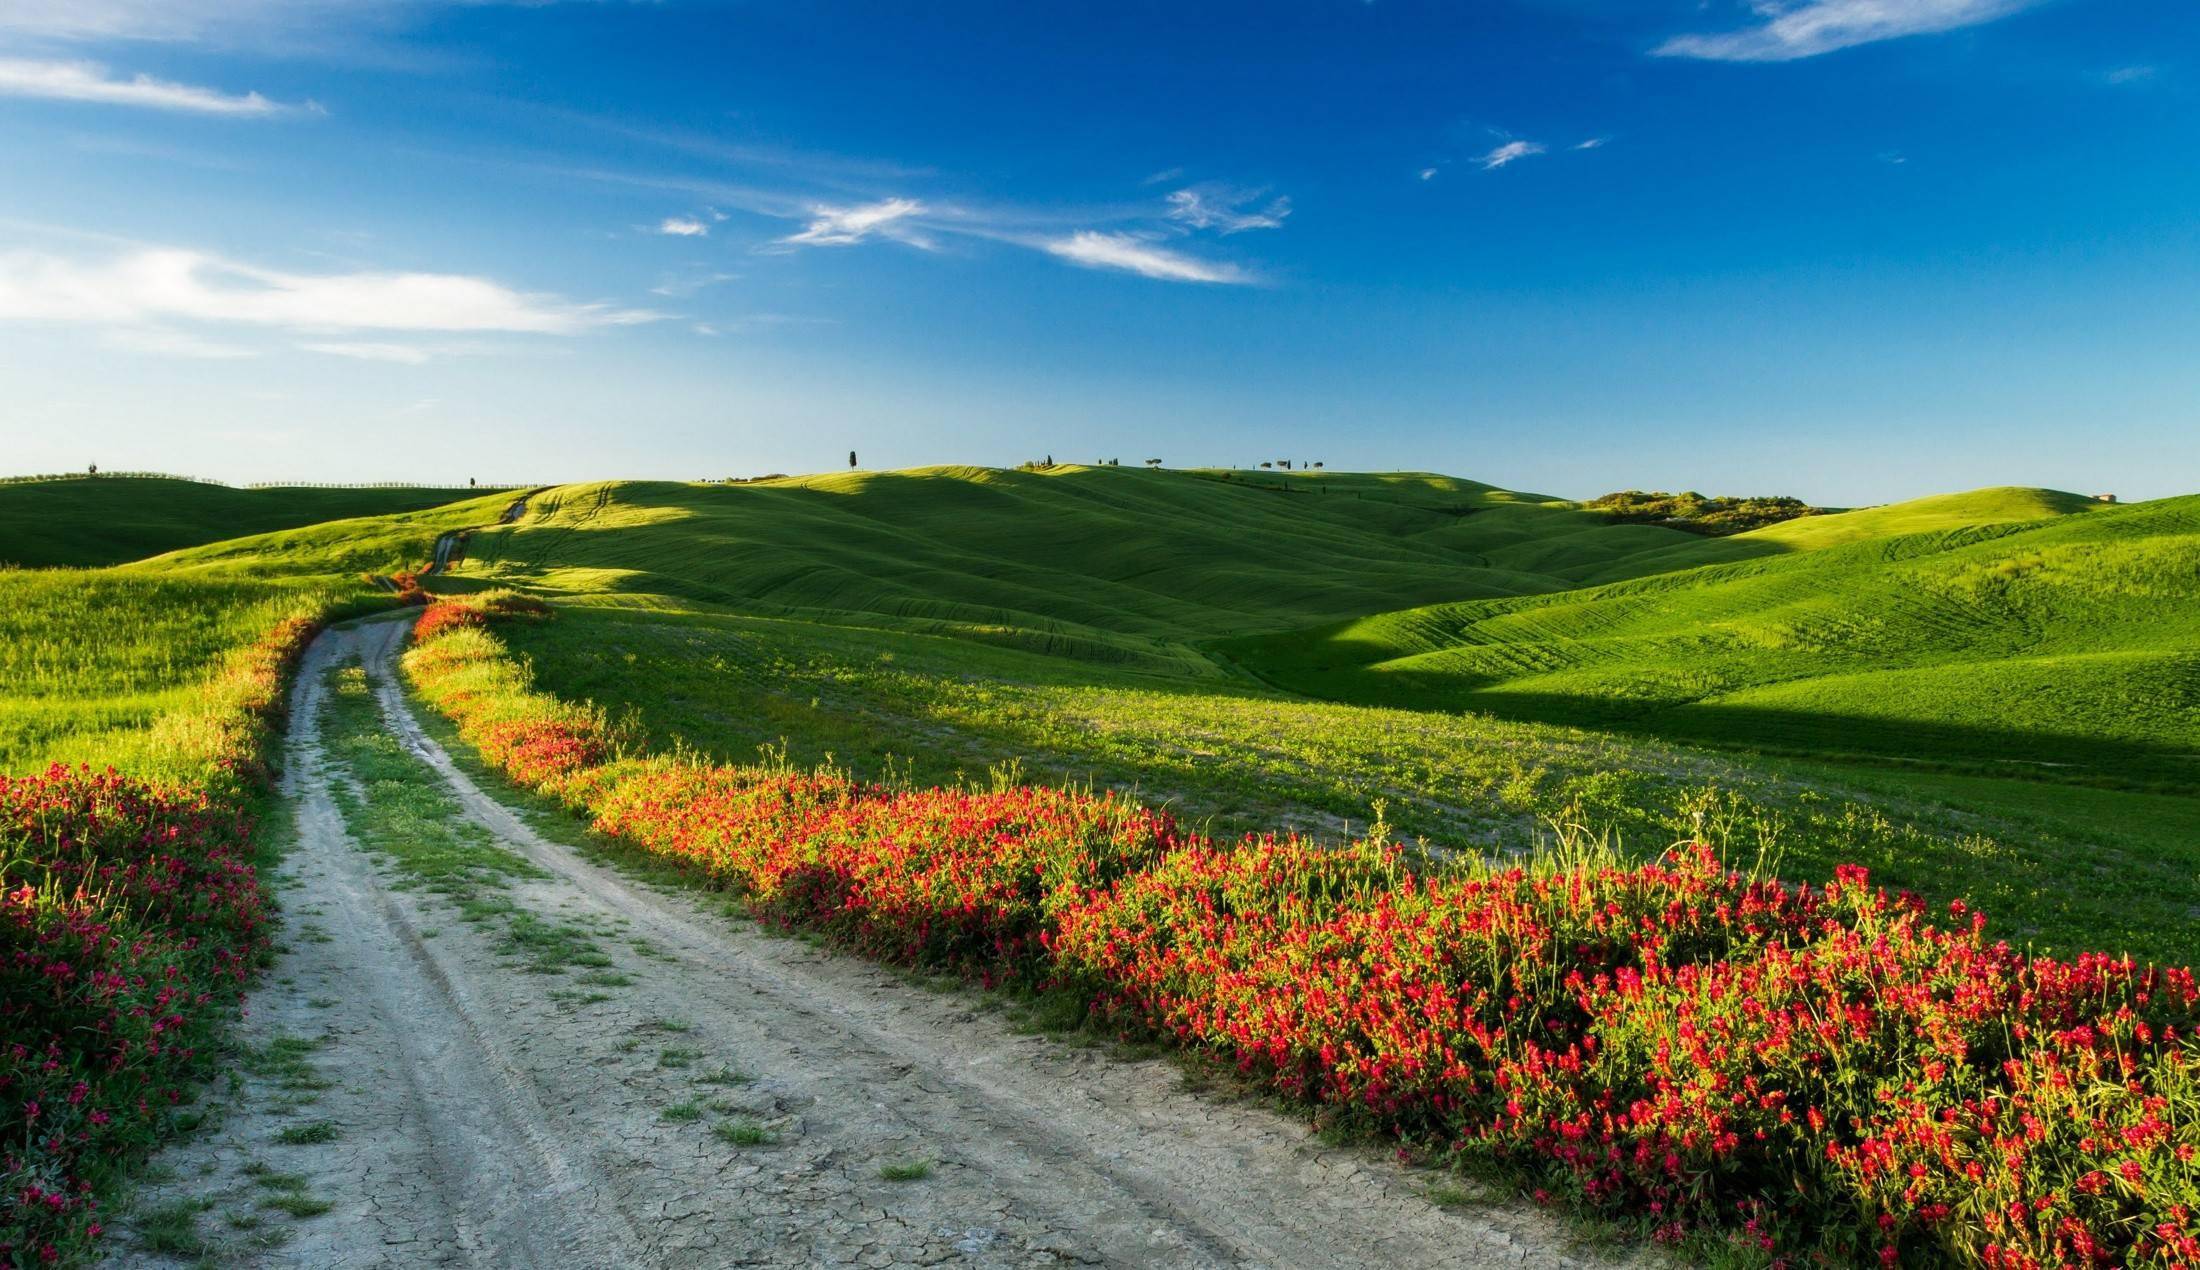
(1999, 505)
(1104, 557)
(337, 550)
(112, 520)
(1087, 622)
(2069, 644)
(1104, 564)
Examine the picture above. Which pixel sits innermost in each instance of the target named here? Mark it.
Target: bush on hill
(1712, 517)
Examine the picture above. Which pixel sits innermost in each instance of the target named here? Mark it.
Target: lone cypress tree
(851, 458)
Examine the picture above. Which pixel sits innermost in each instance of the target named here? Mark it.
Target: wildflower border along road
(1744, 1067)
(131, 915)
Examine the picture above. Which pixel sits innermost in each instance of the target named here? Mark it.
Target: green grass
(743, 1133)
(1107, 565)
(311, 1133)
(1273, 649)
(112, 520)
(1237, 757)
(336, 549)
(905, 1171)
(2066, 647)
(93, 661)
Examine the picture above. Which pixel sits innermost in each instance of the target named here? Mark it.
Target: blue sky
(1854, 250)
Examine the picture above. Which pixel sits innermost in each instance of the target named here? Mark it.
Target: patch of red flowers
(130, 917)
(1798, 1074)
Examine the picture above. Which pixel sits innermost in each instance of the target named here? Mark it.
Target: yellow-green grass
(113, 520)
(102, 666)
(338, 549)
(2067, 646)
(1995, 505)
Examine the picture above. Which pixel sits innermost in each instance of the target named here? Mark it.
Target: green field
(2065, 645)
(112, 520)
(93, 661)
(1299, 649)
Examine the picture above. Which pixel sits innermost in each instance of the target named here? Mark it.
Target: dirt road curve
(478, 1119)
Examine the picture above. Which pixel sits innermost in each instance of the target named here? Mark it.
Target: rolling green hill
(111, 520)
(1948, 629)
(1109, 564)
(1098, 624)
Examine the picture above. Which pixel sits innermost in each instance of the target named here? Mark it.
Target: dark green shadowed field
(87, 522)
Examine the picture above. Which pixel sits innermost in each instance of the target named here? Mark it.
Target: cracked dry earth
(478, 1113)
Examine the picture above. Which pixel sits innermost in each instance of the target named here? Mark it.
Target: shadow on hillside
(2036, 755)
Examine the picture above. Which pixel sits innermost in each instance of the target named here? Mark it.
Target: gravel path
(478, 1117)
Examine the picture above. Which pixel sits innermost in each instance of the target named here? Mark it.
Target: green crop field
(113, 520)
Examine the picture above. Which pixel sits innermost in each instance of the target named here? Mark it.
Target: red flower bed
(444, 615)
(130, 917)
(1794, 1074)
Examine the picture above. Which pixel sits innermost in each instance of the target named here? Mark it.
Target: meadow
(111, 667)
(1420, 683)
(1755, 1071)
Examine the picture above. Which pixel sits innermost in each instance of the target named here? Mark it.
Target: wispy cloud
(844, 226)
(145, 286)
(91, 82)
(1510, 152)
(1593, 143)
(681, 285)
(173, 344)
(1794, 29)
(1229, 211)
(682, 227)
(1096, 250)
(400, 354)
(2131, 75)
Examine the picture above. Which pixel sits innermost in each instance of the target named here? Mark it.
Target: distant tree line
(95, 474)
(490, 485)
(1690, 511)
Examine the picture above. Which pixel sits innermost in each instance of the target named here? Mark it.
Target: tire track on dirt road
(1039, 1152)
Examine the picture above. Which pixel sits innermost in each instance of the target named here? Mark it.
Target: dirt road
(739, 1099)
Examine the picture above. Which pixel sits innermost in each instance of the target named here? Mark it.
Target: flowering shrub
(1794, 1074)
(130, 916)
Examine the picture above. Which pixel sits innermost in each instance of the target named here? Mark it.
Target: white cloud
(145, 19)
(1805, 28)
(1428, 174)
(681, 285)
(173, 344)
(683, 227)
(1510, 152)
(2131, 74)
(1096, 250)
(90, 82)
(1211, 207)
(400, 354)
(842, 226)
(1593, 143)
(153, 284)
